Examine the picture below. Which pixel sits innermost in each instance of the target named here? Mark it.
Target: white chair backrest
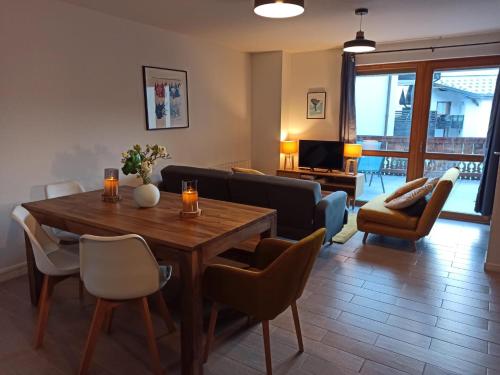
(41, 242)
(62, 189)
(117, 268)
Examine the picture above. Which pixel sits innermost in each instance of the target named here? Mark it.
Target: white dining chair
(117, 270)
(54, 261)
(61, 189)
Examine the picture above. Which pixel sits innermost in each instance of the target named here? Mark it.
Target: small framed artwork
(316, 105)
(165, 98)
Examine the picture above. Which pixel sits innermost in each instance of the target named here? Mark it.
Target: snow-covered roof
(477, 85)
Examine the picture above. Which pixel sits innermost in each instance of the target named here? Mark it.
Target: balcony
(392, 172)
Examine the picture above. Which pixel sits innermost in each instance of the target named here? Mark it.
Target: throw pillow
(247, 171)
(409, 198)
(409, 186)
(417, 209)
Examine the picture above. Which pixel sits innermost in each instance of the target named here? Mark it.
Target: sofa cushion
(375, 211)
(212, 183)
(294, 199)
(247, 171)
(410, 198)
(409, 186)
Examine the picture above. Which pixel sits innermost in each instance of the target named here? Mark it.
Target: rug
(348, 230)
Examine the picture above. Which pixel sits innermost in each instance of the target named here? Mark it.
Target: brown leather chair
(276, 279)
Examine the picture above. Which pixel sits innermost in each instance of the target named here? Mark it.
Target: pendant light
(360, 44)
(278, 8)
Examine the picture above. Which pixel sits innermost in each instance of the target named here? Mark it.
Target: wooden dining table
(189, 242)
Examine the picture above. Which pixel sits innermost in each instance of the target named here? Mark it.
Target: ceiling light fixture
(360, 44)
(278, 8)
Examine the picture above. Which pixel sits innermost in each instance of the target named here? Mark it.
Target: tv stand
(330, 181)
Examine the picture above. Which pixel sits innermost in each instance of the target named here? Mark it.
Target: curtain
(347, 115)
(486, 193)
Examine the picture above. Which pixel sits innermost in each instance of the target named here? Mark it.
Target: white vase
(146, 195)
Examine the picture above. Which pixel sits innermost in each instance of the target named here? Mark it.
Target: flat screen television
(321, 154)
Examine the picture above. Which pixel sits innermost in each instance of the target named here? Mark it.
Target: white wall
(266, 110)
(72, 99)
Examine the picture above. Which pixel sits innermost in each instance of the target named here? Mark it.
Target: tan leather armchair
(276, 279)
(374, 217)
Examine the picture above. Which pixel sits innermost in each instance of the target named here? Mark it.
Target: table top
(161, 224)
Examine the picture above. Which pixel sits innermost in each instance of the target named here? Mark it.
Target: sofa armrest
(331, 214)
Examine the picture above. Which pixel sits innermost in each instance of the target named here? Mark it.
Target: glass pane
(382, 174)
(463, 195)
(383, 110)
(460, 110)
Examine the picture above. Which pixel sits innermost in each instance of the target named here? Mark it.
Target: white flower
(162, 150)
(146, 167)
(125, 155)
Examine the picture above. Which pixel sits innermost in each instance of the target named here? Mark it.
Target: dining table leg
(192, 314)
(35, 277)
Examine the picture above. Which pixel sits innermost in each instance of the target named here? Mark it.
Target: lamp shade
(289, 147)
(353, 150)
(278, 8)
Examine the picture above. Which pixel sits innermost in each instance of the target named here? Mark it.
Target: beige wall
(266, 110)
(72, 99)
(447, 53)
(312, 71)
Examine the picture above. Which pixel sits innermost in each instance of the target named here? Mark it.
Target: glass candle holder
(111, 182)
(190, 197)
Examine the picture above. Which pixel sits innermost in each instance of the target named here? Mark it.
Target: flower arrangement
(141, 162)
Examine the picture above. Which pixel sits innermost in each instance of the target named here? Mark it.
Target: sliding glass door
(459, 115)
(419, 119)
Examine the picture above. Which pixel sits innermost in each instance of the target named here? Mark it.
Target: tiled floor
(373, 309)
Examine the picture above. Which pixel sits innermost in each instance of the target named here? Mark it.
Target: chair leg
(43, 309)
(211, 330)
(371, 179)
(365, 236)
(267, 347)
(296, 322)
(108, 321)
(382, 181)
(165, 313)
(153, 348)
(99, 314)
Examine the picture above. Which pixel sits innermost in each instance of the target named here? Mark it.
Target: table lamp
(289, 148)
(352, 152)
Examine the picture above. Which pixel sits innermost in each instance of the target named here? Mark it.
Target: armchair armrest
(330, 213)
(267, 251)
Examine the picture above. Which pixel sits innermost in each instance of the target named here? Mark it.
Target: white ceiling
(325, 23)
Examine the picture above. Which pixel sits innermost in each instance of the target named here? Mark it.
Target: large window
(384, 109)
(419, 119)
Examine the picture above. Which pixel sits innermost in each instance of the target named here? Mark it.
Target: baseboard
(493, 267)
(12, 272)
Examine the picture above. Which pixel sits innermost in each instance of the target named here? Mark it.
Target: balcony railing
(445, 145)
(469, 170)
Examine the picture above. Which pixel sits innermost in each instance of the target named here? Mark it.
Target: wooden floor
(372, 309)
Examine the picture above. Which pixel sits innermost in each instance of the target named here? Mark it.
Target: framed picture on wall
(165, 98)
(316, 105)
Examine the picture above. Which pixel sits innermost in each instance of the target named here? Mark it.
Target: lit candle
(190, 201)
(111, 187)
(111, 182)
